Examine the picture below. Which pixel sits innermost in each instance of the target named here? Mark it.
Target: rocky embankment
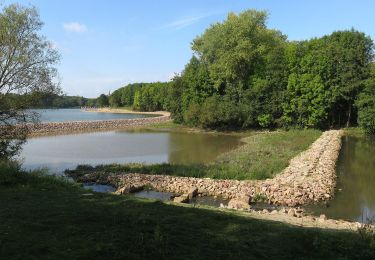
(97, 125)
(310, 177)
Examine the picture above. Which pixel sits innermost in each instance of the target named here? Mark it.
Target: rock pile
(310, 177)
(77, 126)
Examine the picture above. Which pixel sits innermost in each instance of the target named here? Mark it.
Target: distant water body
(76, 114)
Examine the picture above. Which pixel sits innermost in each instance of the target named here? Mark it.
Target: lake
(76, 114)
(355, 194)
(142, 146)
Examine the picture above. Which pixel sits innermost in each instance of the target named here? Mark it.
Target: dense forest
(142, 96)
(243, 74)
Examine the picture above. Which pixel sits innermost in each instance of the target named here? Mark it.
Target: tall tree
(27, 62)
(102, 101)
(366, 105)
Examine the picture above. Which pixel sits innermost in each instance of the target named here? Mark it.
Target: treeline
(244, 75)
(58, 101)
(142, 96)
(46, 100)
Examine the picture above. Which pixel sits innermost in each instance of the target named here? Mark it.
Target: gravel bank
(97, 125)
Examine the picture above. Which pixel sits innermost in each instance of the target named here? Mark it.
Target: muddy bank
(97, 125)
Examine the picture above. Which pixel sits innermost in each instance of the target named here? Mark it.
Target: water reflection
(355, 196)
(67, 151)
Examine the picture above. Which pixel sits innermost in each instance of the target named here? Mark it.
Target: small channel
(168, 196)
(163, 196)
(355, 193)
(101, 188)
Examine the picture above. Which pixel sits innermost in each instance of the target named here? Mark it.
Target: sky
(106, 44)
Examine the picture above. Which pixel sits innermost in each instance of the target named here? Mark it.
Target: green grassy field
(262, 156)
(47, 218)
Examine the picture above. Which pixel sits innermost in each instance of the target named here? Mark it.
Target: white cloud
(75, 27)
(184, 22)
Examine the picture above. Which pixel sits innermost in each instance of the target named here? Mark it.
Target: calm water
(355, 195)
(166, 196)
(99, 187)
(76, 114)
(67, 151)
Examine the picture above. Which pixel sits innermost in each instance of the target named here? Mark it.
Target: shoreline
(125, 111)
(74, 127)
(309, 178)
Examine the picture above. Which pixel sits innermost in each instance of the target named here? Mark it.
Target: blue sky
(105, 44)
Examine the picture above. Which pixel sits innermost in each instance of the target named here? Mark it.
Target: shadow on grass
(53, 219)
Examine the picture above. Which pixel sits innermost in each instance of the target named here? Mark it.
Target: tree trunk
(349, 115)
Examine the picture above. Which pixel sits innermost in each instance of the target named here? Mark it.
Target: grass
(262, 156)
(163, 125)
(356, 132)
(44, 217)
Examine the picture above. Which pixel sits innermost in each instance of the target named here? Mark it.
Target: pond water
(58, 153)
(355, 195)
(150, 194)
(76, 114)
(167, 196)
(102, 188)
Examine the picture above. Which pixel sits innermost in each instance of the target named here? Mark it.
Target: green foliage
(245, 75)
(142, 96)
(102, 101)
(264, 120)
(366, 105)
(27, 63)
(338, 65)
(308, 101)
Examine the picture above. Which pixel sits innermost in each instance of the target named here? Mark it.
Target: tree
(27, 62)
(243, 62)
(102, 101)
(308, 101)
(341, 62)
(349, 53)
(366, 105)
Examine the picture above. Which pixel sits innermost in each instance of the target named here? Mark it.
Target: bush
(264, 121)
(191, 115)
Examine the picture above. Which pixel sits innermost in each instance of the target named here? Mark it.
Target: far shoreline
(125, 111)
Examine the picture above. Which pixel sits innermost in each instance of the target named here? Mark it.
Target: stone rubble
(82, 126)
(310, 177)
